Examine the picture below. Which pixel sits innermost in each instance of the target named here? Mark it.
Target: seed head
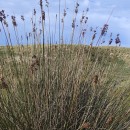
(91, 29)
(109, 120)
(2, 15)
(86, 20)
(104, 30)
(35, 63)
(76, 10)
(77, 4)
(73, 24)
(4, 84)
(5, 23)
(95, 79)
(40, 31)
(27, 37)
(83, 17)
(65, 13)
(86, 125)
(34, 29)
(41, 3)
(47, 3)
(14, 20)
(117, 40)
(110, 42)
(83, 33)
(34, 12)
(81, 20)
(94, 35)
(87, 9)
(43, 15)
(103, 41)
(62, 20)
(22, 17)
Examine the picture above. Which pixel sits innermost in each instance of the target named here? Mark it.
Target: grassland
(77, 87)
(63, 86)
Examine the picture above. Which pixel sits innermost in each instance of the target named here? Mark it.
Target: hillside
(64, 87)
(118, 56)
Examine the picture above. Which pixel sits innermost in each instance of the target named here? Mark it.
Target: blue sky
(99, 11)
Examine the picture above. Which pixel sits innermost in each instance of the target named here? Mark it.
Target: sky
(99, 13)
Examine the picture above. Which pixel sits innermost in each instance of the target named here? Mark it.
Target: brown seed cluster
(94, 35)
(3, 83)
(64, 13)
(73, 24)
(34, 12)
(43, 15)
(111, 40)
(109, 120)
(2, 15)
(14, 21)
(76, 8)
(3, 18)
(35, 63)
(47, 3)
(84, 18)
(104, 30)
(86, 125)
(117, 40)
(41, 3)
(22, 17)
(95, 80)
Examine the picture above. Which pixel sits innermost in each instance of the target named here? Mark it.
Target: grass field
(63, 86)
(76, 86)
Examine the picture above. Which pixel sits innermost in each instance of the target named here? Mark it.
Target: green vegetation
(63, 86)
